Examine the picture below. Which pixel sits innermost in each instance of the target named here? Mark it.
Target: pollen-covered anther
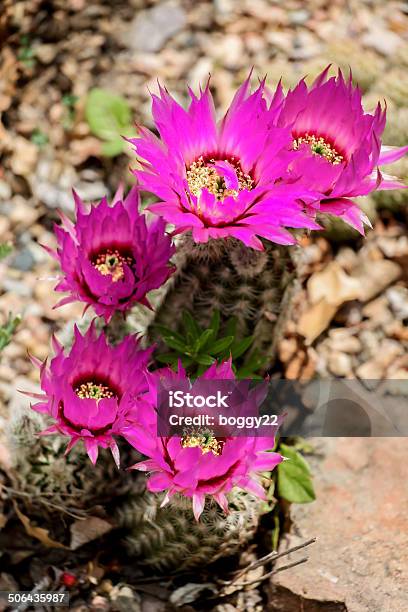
(319, 146)
(203, 175)
(112, 262)
(94, 390)
(204, 440)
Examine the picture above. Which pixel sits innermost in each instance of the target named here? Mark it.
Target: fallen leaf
(190, 592)
(37, 532)
(87, 530)
(316, 319)
(333, 285)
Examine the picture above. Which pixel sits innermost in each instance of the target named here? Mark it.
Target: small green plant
(26, 53)
(7, 330)
(69, 101)
(294, 479)
(199, 348)
(5, 250)
(39, 138)
(109, 118)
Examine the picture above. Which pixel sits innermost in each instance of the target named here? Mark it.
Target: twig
(72, 513)
(271, 573)
(273, 556)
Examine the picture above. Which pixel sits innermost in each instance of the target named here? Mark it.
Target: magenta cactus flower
(222, 179)
(95, 391)
(338, 146)
(111, 257)
(196, 466)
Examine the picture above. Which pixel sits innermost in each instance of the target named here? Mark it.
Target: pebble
(23, 260)
(150, 30)
(340, 364)
(344, 342)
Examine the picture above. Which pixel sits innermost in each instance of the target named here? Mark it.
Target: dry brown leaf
(316, 319)
(87, 530)
(37, 532)
(333, 285)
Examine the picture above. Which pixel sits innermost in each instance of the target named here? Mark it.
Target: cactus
(51, 481)
(252, 286)
(170, 538)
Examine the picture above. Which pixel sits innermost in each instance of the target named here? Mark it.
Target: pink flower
(111, 258)
(221, 180)
(198, 467)
(338, 146)
(95, 392)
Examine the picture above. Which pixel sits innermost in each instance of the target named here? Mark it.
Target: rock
(378, 310)
(359, 562)
(23, 261)
(340, 364)
(22, 213)
(381, 40)
(342, 340)
(375, 276)
(370, 370)
(24, 157)
(150, 29)
(398, 298)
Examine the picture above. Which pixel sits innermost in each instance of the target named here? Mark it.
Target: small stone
(5, 190)
(342, 340)
(23, 261)
(299, 17)
(22, 213)
(398, 298)
(378, 310)
(340, 364)
(382, 40)
(24, 157)
(376, 276)
(150, 29)
(370, 370)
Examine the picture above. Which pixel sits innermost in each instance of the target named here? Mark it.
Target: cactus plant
(252, 286)
(169, 538)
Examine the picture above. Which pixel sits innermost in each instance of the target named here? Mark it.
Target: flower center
(203, 174)
(319, 146)
(94, 390)
(112, 262)
(204, 440)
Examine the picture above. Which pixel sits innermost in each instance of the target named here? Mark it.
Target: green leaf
(204, 360)
(113, 147)
(191, 326)
(294, 477)
(109, 117)
(203, 340)
(166, 332)
(231, 327)
(7, 330)
(167, 358)
(215, 322)
(240, 347)
(221, 345)
(5, 250)
(176, 345)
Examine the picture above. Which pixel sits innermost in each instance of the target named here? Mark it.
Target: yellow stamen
(93, 390)
(202, 175)
(319, 146)
(112, 262)
(204, 440)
